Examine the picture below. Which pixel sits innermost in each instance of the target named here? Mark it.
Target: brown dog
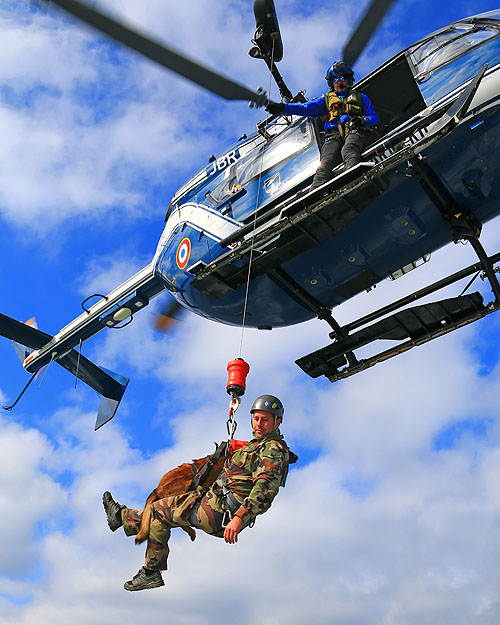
(186, 477)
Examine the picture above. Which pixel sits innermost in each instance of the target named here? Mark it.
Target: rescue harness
(336, 106)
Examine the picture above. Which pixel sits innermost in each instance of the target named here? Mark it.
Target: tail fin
(23, 351)
(108, 385)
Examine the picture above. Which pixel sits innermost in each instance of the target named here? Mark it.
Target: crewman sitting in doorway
(347, 113)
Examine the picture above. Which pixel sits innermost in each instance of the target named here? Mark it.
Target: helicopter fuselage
(397, 224)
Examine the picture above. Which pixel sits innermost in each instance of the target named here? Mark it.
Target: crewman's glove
(344, 119)
(275, 108)
(356, 123)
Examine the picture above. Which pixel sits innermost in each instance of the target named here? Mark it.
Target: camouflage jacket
(255, 472)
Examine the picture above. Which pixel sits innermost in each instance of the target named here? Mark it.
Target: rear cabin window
(448, 59)
(429, 70)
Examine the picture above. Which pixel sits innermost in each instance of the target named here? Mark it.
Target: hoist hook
(231, 424)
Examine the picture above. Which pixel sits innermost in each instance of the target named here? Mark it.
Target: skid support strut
(463, 224)
(294, 290)
(485, 262)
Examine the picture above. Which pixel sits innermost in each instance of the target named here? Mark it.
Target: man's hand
(275, 108)
(344, 119)
(233, 528)
(356, 123)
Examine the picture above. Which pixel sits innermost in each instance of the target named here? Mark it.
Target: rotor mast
(268, 44)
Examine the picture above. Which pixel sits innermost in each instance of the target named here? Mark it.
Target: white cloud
(82, 138)
(103, 274)
(28, 496)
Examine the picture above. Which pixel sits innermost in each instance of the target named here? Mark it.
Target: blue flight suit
(337, 147)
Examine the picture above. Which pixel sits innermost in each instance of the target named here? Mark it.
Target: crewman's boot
(145, 579)
(113, 511)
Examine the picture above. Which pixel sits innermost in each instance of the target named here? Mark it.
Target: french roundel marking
(183, 253)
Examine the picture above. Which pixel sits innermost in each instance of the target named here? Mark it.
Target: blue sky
(392, 514)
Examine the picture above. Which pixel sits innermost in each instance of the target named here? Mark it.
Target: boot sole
(144, 586)
(113, 524)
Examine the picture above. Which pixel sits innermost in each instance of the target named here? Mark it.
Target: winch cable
(238, 368)
(247, 287)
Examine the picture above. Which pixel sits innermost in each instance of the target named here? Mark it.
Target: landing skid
(413, 326)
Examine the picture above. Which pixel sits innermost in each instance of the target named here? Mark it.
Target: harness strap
(193, 521)
(336, 107)
(232, 503)
(202, 472)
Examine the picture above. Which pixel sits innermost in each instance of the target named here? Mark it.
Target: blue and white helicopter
(430, 176)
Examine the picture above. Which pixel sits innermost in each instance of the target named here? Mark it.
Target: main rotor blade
(157, 52)
(365, 29)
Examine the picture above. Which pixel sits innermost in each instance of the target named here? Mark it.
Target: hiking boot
(113, 511)
(143, 581)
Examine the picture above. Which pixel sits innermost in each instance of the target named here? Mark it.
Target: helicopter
(248, 220)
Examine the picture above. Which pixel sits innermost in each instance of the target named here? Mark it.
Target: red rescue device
(238, 370)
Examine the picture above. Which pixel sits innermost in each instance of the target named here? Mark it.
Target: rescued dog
(184, 478)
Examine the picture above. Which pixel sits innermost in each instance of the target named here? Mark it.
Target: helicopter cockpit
(256, 170)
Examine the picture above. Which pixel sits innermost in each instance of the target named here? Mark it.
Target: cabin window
(448, 59)
(442, 48)
(280, 148)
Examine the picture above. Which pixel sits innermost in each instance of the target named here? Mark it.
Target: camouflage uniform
(253, 473)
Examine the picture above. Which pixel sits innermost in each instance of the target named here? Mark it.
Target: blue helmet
(338, 69)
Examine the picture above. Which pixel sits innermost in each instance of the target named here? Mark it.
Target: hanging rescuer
(245, 488)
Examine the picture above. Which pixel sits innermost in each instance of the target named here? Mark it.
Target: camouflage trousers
(172, 512)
